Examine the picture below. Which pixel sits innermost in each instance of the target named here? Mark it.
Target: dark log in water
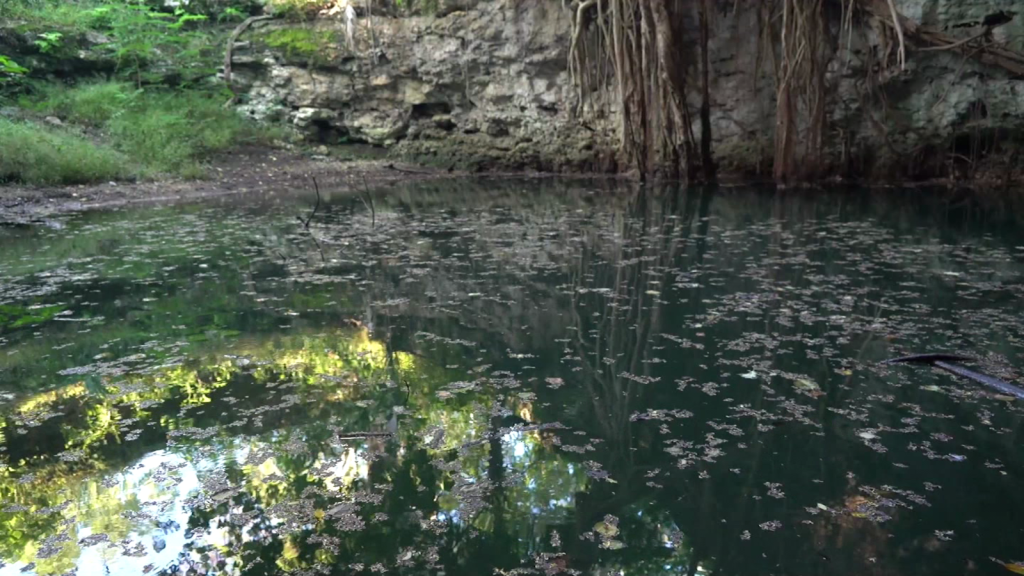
(991, 382)
(943, 361)
(929, 358)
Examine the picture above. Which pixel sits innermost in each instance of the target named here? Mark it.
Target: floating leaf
(807, 387)
(805, 384)
(606, 529)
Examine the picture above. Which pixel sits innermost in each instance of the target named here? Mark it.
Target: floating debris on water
(486, 380)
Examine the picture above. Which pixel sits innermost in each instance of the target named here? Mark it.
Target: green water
(535, 377)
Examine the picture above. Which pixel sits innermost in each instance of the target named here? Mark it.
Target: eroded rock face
(943, 106)
(484, 83)
(880, 125)
(481, 83)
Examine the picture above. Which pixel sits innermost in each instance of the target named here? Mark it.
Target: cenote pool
(512, 378)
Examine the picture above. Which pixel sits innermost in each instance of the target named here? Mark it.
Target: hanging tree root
(801, 31)
(990, 53)
(639, 43)
(575, 61)
(229, 53)
(902, 52)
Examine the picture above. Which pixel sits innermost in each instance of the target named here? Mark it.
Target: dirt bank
(238, 172)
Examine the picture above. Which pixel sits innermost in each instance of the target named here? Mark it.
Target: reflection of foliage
(17, 316)
(680, 326)
(330, 368)
(56, 500)
(102, 421)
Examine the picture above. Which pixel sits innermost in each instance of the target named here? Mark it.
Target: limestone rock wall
(484, 83)
(904, 125)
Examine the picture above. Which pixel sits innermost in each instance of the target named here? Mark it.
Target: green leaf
(8, 66)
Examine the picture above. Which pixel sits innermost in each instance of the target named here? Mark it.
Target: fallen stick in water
(944, 361)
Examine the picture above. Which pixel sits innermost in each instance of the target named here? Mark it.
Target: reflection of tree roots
(369, 205)
(305, 223)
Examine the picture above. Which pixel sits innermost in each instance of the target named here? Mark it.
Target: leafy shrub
(138, 31)
(9, 69)
(49, 41)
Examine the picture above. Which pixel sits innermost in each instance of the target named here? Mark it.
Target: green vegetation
(9, 68)
(152, 112)
(304, 43)
(297, 9)
(138, 32)
(427, 6)
(309, 9)
(17, 316)
(83, 15)
(171, 132)
(149, 132)
(52, 156)
(92, 103)
(48, 41)
(133, 33)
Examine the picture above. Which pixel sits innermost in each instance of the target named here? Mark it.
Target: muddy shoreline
(239, 172)
(259, 169)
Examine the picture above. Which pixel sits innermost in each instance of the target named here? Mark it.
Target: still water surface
(536, 377)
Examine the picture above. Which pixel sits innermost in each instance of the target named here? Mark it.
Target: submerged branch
(316, 206)
(369, 206)
(305, 223)
(946, 362)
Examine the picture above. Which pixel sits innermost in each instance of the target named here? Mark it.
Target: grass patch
(154, 131)
(144, 132)
(34, 154)
(76, 16)
(172, 132)
(93, 104)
